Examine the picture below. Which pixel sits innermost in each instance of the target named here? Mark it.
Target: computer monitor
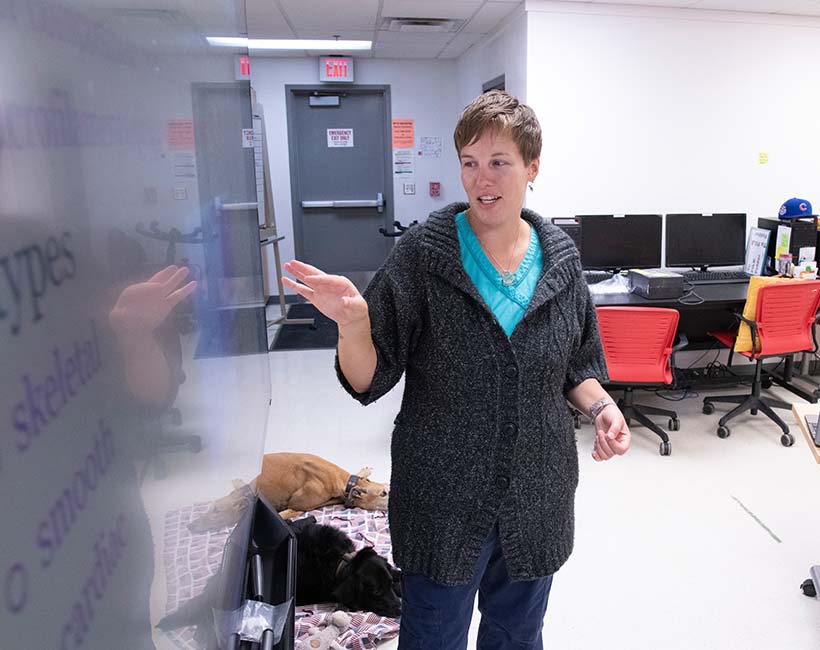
(571, 226)
(702, 240)
(631, 241)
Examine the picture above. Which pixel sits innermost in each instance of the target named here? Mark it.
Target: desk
(711, 315)
(800, 411)
(714, 313)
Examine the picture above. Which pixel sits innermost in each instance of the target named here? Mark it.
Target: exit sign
(242, 67)
(336, 68)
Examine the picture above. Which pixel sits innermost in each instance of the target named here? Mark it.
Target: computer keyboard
(715, 277)
(593, 277)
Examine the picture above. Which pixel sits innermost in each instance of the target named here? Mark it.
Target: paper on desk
(615, 284)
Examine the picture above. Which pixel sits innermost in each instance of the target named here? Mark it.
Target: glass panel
(135, 378)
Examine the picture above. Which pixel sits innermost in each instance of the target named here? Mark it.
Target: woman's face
(495, 177)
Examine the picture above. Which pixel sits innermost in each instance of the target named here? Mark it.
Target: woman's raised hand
(333, 295)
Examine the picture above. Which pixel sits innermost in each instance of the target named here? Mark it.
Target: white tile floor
(666, 555)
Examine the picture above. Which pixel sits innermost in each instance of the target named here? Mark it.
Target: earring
(529, 184)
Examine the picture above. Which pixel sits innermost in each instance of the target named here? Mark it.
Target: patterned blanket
(367, 629)
(191, 558)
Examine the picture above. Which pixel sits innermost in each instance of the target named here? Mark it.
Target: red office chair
(783, 325)
(638, 349)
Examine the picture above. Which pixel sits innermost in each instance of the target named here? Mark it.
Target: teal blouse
(508, 303)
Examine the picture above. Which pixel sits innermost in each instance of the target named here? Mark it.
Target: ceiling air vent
(427, 25)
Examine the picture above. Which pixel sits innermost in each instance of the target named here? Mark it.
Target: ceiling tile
(488, 18)
(648, 3)
(804, 8)
(406, 50)
(755, 6)
(460, 44)
(265, 20)
(453, 51)
(467, 38)
(345, 34)
(414, 37)
(323, 15)
(461, 9)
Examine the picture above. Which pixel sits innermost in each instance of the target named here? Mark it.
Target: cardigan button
(511, 372)
(502, 482)
(510, 429)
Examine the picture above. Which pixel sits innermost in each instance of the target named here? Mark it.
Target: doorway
(341, 177)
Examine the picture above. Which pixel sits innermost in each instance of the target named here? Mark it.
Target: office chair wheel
(666, 449)
(708, 408)
(723, 431)
(674, 424)
(766, 383)
(787, 440)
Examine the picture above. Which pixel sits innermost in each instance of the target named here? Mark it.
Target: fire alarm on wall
(435, 188)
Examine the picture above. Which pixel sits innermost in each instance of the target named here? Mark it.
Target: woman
(485, 310)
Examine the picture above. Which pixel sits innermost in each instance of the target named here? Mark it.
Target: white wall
(505, 53)
(654, 110)
(419, 89)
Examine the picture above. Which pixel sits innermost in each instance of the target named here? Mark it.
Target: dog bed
(367, 629)
(191, 558)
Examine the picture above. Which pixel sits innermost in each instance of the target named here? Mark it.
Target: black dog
(327, 570)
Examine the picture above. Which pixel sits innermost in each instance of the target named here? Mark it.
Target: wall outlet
(409, 188)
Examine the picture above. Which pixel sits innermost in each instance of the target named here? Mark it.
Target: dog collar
(349, 488)
(346, 559)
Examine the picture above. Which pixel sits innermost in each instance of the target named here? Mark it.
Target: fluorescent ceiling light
(288, 43)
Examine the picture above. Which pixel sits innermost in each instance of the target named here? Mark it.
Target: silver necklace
(507, 277)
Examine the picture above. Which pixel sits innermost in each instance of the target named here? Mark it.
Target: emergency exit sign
(242, 67)
(336, 68)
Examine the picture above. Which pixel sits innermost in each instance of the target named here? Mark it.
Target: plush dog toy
(325, 638)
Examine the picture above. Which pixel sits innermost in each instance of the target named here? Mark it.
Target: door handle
(378, 203)
(399, 229)
(237, 207)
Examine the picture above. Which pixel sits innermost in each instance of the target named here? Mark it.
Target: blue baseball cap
(796, 208)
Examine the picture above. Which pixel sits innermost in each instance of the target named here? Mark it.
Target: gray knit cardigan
(484, 434)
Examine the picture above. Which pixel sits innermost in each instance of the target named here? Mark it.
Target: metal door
(343, 194)
(227, 193)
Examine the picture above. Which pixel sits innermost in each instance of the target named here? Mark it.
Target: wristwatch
(597, 407)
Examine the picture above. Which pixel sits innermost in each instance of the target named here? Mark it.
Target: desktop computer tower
(803, 234)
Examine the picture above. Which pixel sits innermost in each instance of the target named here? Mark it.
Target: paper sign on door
(340, 137)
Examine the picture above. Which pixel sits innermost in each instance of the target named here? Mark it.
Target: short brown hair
(499, 111)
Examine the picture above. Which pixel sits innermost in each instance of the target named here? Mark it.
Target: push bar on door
(378, 203)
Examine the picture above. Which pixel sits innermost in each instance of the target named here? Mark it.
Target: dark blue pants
(435, 617)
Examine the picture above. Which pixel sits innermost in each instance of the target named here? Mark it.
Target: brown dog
(293, 483)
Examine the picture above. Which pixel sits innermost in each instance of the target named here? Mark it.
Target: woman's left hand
(612, 436)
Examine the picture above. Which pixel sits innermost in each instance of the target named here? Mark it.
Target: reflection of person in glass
(485, 309)
(137, 320)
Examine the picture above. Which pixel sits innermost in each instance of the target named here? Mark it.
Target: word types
(26, 275)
